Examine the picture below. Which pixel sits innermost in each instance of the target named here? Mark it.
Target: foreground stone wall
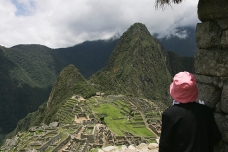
(152, 147)
(211, 62)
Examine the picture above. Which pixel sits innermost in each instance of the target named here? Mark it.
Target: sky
(65, 23)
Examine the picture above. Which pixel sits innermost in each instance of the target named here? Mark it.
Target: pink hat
(184, 89)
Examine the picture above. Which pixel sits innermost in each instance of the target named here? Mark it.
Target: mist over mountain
(182, 41)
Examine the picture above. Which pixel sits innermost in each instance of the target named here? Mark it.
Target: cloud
(60, 23)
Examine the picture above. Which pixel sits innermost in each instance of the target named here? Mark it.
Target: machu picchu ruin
(85, 125)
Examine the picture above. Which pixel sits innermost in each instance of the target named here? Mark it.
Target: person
(187, 126)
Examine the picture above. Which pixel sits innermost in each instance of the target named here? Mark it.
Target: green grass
(94, 150)
(89, 131)
(117, 126)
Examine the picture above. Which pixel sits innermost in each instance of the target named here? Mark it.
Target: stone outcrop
(152, 147)
(211, 62)
(212, 9)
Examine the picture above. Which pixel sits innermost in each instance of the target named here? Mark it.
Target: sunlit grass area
(118, 122)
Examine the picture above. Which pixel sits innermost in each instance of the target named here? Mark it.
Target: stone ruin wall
(211, 62)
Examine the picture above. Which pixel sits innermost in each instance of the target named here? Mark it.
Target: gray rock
(34, 128)
(212, 9)
(213, 81)
(54, 124)
(208, 35)
(123, 147)
(222, 123)
(209, 94)
(212, 62)
(218, 107)
(109, 148)
(131, 147)
(223, 23)
(224, 39)
(10, 143)
(142, 146)
(153, 146)
(224, 98)
(100, 150)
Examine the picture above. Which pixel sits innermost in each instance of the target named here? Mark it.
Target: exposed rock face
(152, 147)
(211, 62)
(208, 35)
(212, 9)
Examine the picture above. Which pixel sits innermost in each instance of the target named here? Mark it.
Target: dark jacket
(188, 127)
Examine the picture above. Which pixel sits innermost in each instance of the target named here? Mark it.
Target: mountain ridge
(136, 66)
(24, 90)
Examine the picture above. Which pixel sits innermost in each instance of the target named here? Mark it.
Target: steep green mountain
(136, 67)
(27, 74)
(176, 64)
(139, 66)
(89, 56)
(37, 65)
(70, 82)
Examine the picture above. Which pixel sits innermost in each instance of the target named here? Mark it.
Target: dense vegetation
(70, 82)
(136, 67)
(175, 63)
(23, 86)
(28, 72)
(89, 56)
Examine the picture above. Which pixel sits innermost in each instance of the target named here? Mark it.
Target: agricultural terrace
(118, 116)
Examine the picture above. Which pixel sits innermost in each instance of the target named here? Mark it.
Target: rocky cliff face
(211, 61)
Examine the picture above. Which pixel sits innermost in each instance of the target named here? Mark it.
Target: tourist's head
(183, 88)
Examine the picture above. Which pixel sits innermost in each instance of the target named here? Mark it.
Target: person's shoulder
(203, 106)
(170, 110)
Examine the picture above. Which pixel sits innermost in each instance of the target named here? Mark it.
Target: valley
(86, 124)
(122, 84)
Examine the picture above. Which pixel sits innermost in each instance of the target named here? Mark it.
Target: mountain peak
(136, 66)
(138, 26)
(64, 84)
